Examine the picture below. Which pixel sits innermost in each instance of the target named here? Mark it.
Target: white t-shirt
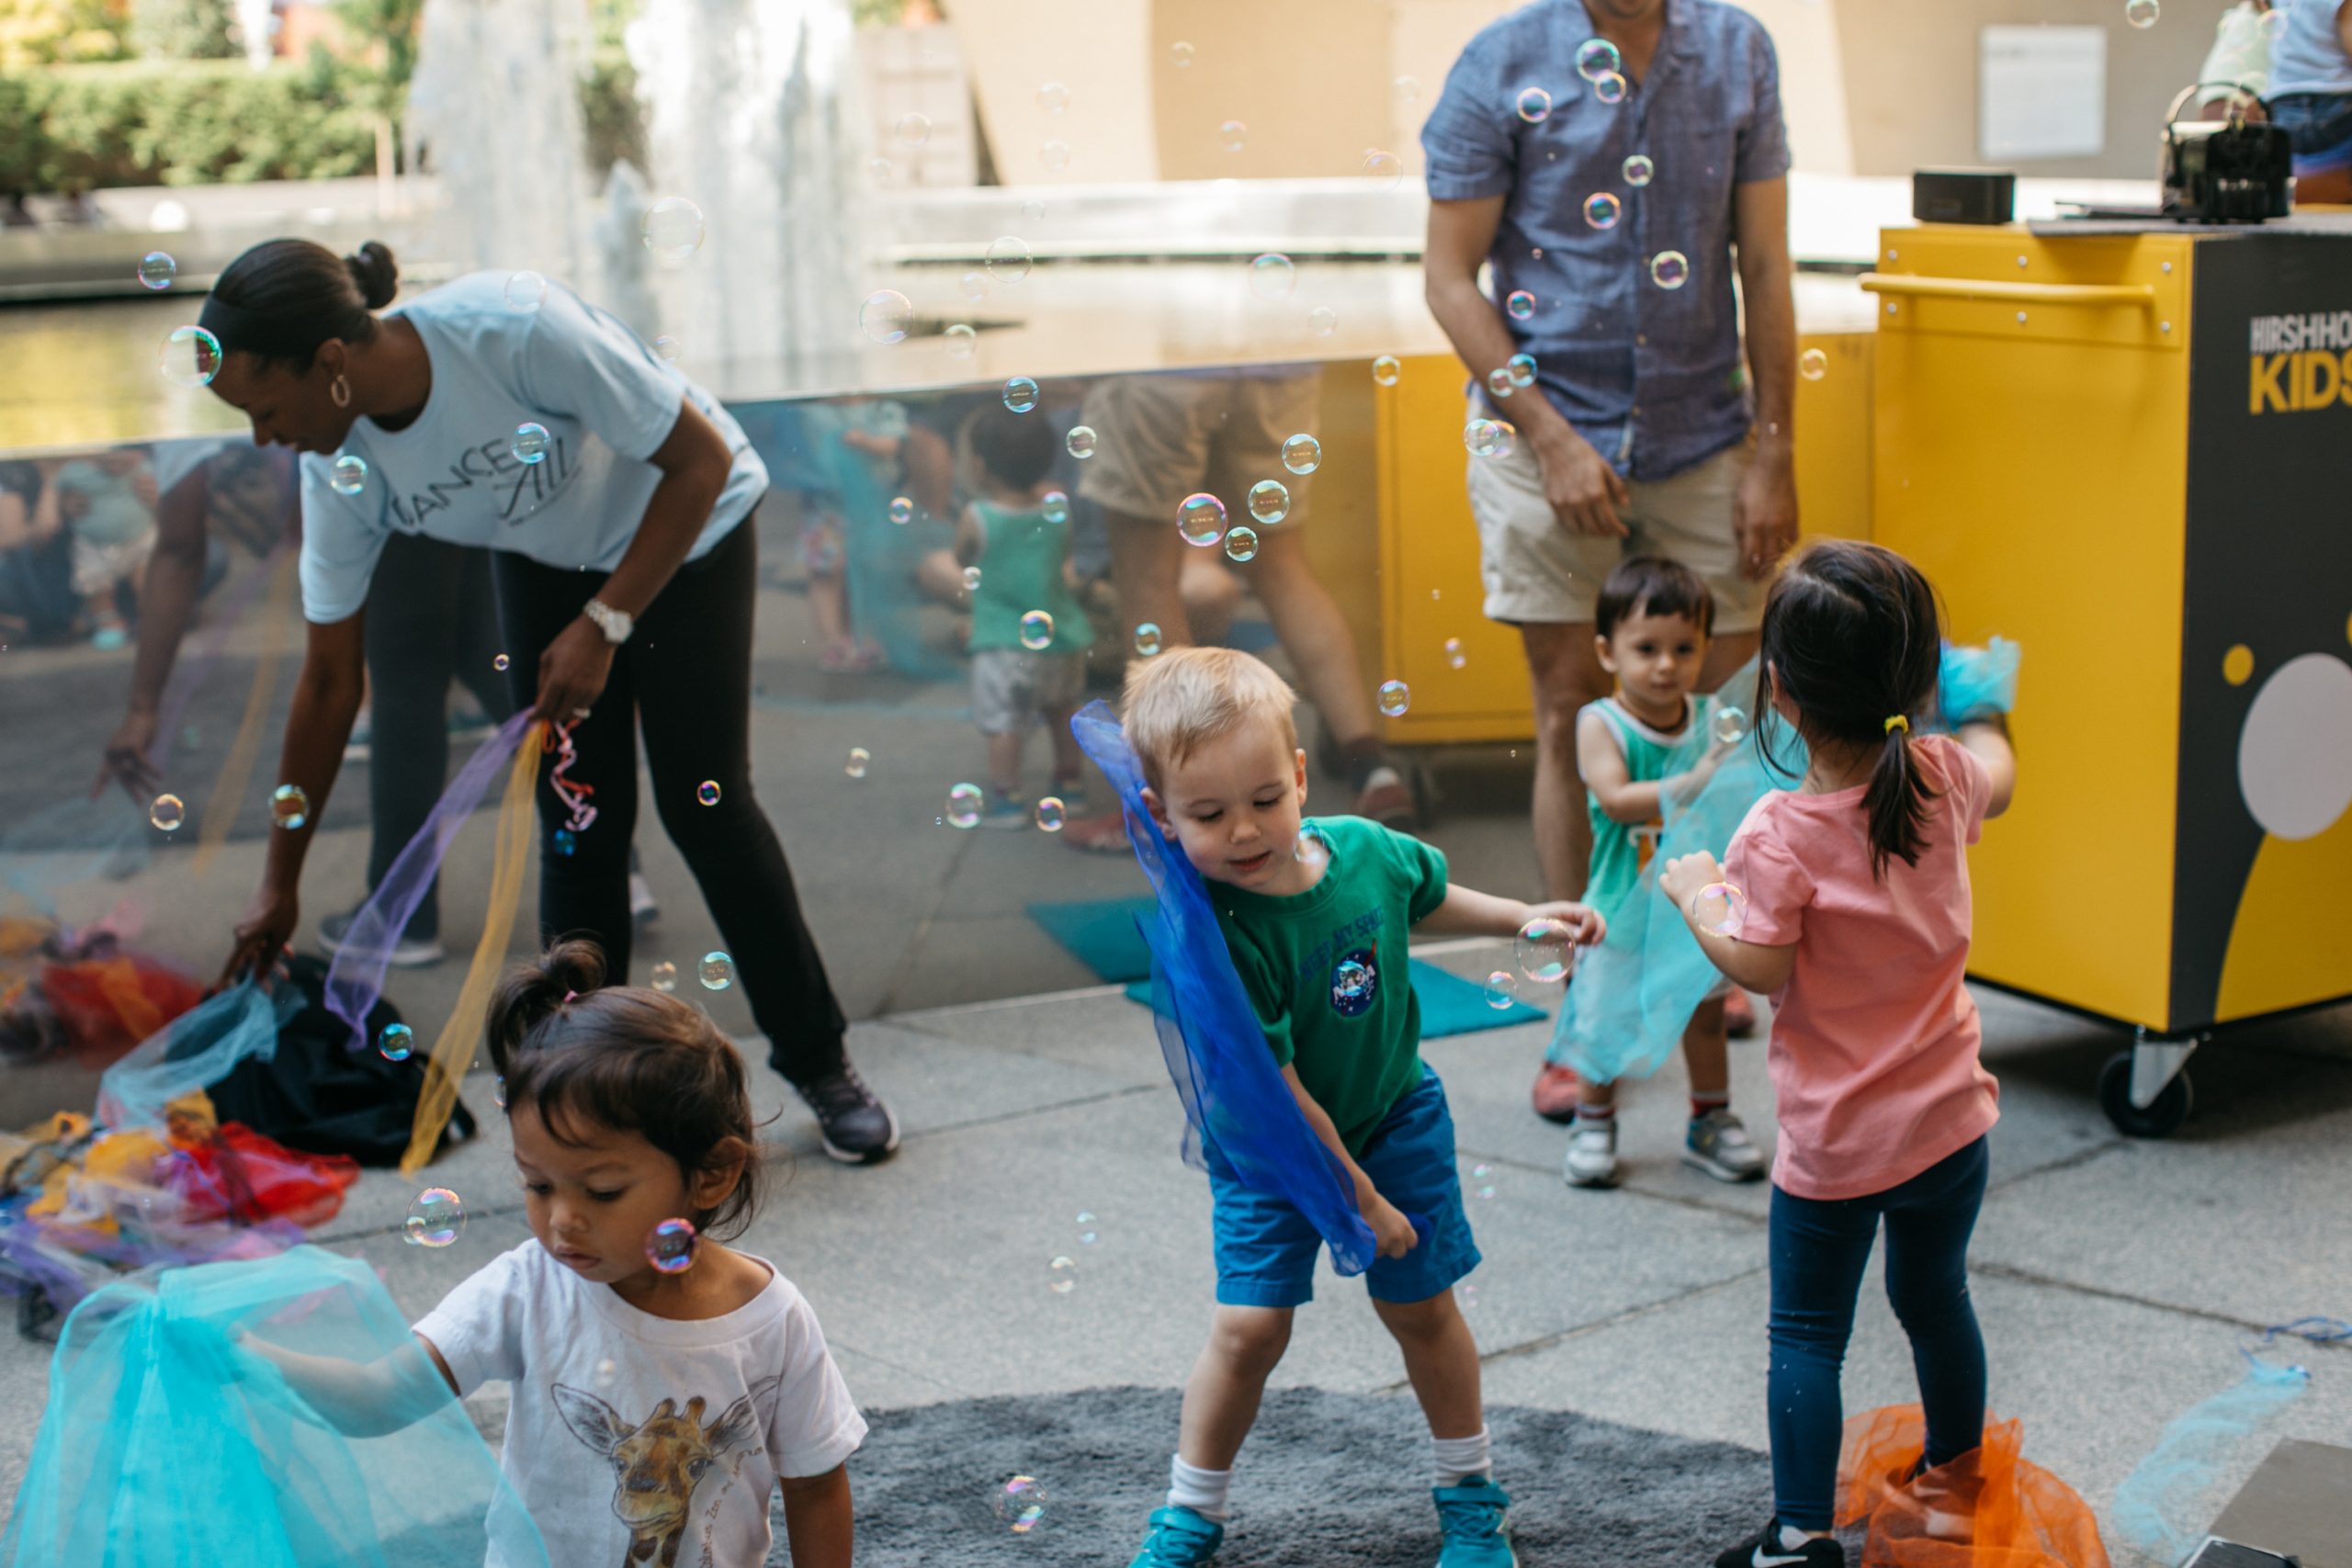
(604, 399)
(691, 1423)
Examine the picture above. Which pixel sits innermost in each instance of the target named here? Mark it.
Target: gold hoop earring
(340, 390)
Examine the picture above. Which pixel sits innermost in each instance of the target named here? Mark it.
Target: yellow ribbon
(462, 1034)
(228, 794)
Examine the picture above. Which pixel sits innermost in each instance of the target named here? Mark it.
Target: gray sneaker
(1719, 1145)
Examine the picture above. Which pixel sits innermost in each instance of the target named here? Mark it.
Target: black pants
(685, 678)
(431, 618)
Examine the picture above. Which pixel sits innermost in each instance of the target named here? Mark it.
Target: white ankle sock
(1458, 1458)
(1203, 1491)
(1793, 1539)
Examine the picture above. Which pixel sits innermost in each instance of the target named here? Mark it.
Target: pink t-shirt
(1874, 1037)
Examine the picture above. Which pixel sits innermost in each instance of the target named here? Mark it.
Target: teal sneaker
(1470, 1512)
(1180, 1539)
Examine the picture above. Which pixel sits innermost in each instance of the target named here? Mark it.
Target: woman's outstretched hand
(573, 672)
(263, 935)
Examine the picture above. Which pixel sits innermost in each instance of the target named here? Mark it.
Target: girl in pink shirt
(1848, 902)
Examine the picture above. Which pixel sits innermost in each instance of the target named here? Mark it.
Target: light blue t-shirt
(605, 400)
(2308, 54)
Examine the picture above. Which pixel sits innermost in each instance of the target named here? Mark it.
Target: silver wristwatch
(614, 624)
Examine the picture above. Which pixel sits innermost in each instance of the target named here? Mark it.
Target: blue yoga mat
(1101, 934)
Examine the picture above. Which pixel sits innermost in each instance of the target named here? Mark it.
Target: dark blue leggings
(1819, 1250)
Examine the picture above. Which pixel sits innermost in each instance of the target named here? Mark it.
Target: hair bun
(528, 993)
(377, 274)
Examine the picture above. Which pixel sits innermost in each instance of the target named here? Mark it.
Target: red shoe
(1739, 1015)
(1555, 1093)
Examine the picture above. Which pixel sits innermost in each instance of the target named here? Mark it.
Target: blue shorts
(1266, 1248)
(2318, 128)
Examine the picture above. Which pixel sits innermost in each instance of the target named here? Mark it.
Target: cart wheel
(2156, 1121)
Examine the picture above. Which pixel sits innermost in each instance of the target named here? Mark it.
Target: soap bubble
(975, 286)
(1021, 394)
(1272, 277)
(1482, 1181)
(167, 813)
(1730, 726)
(1061, 1276)
(1082, 441)
(1323, 320)
(1036, 631)
(435, 1218)
(717, 971)
(1596, 58)
(673, 228)
(1385, 168)
(880, 169)
(665, 975)
(1302, 454)
(1545, 949)
(707, 791)
(499, 661)
(964, 802)
(1454, 656)
(1270, 501)
(290, 806)
(1522, 369)
(859, 759)
(1813, 365)
(349, 474)
(531, 442)
(1601, 210)
(667, 347)
(1054, 506)
(1201, 519)
(885, 315)
(1669, 269)
(1498, 383)
(1500, 990)
(961, 340)
(1719, 907)
(1051, 814)
(1521, 304)
(1639, 169)
(1610, 88)
(563, 841)
(1180, 55)
(1385, 369)
(1147, 638)
(1008, 259)
(1053, 97)
(670, 1247)
(190, 357)
(1394, 697)
(1233, 135)
(1489, 438)
(396, 1041)
(901, 510)
(1406, 90)
(1021, 1502)
(525, 290)
(156, 270)
(1054, 155)
(1534, 105)
(913, 128)
(498, 1092)
(1242, 544)
(971, 579)
(2141, 13)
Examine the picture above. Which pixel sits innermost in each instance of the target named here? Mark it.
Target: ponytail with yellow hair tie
(1899, 722)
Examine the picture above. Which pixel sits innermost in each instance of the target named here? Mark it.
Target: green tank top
(1021, 570)
(1622, 849)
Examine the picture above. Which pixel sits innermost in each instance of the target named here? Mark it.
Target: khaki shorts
(1163, 437)
(1535, 570)
(1012, 686)
(97, 568)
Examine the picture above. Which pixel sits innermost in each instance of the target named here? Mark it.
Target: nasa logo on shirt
(1355, 983)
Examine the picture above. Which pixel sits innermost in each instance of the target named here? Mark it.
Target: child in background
(1029, 632)
(862, 448)
(656, 1405)
(1651, 620)
(1315, 914)
(1855, 916)
(109, 501)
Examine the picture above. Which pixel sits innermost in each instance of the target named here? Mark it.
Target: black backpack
(319, 1097)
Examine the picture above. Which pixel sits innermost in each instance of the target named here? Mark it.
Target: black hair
(1015, 449)
(629, 1060)
(1657, 586)
(282, 298)
(1852, 639)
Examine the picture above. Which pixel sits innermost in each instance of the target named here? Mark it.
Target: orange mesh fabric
(1987, 1509)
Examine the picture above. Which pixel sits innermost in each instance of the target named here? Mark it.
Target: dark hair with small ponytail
(1852, 639)
(629, 1059)
(280, 299)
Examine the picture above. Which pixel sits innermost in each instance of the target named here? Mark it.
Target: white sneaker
(1592, 1154)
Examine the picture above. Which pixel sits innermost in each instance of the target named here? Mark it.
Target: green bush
(176, 123)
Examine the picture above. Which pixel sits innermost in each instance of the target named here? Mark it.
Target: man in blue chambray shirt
(1611, 230)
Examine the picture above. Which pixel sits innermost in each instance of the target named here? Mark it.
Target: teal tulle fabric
(1977, 682)
(195, 1051)
(171, 1441)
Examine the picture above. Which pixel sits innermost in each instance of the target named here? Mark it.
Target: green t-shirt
(1021, 570)
(1620, 850)
(1326, 968)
